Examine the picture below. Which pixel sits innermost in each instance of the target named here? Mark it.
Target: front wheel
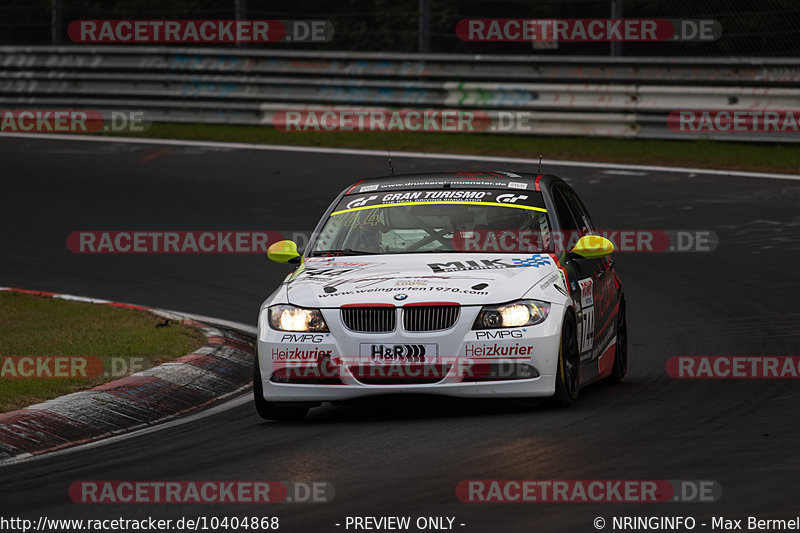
(568, 375)
(273, 410)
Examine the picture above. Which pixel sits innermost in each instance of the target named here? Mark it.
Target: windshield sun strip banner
(435, 202)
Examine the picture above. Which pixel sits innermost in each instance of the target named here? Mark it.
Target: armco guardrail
(618, 97)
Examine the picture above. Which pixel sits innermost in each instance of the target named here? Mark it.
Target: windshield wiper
(344, 251)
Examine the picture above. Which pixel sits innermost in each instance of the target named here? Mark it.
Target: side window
(585, 224)
(563, 211)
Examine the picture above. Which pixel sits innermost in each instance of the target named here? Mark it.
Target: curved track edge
(220, 369)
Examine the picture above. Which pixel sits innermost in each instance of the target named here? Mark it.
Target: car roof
(495, 179)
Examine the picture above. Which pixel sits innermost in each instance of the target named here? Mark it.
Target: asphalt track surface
(401, 456)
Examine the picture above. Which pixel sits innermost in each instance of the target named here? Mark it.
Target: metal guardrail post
(424, 26)
(55, 21)
(616, 13)
(241, 14)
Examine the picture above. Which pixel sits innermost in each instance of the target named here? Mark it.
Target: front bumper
(469, 364)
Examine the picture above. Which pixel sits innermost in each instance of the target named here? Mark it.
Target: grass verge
(80, 340)
(784, 158)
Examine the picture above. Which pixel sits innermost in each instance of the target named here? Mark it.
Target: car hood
(466, 279)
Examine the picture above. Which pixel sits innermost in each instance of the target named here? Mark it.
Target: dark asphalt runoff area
(404, 457)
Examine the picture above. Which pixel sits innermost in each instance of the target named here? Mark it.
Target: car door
(581, 271)
(601, 278)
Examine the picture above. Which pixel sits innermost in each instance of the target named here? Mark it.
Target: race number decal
(586, 323)
(586, 330)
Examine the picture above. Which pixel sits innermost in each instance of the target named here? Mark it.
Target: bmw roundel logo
(400, 296)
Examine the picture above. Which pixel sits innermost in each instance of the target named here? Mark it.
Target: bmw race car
(467, 284)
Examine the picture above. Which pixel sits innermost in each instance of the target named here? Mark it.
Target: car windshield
(436, 221)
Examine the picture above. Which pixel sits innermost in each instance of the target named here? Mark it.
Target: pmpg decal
(313, 338)
(499, 334)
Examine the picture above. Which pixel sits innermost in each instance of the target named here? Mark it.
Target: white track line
(211, 321)
(532, 162)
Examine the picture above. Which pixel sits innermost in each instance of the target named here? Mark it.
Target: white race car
(470, 284)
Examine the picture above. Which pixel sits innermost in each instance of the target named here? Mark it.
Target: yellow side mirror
(283, 252)
(593, 246)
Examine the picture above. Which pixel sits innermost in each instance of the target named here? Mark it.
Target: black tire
(273, 410)
(568, 375)
(621, 352)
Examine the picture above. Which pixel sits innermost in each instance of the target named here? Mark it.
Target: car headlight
(512, 315)
(291, 318)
